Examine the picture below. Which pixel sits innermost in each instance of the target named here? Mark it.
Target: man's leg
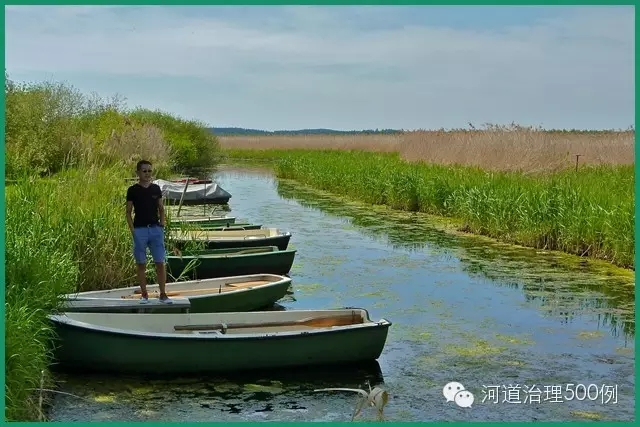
(162, 277)
(142, 278)
(156, 243)
(140, 238)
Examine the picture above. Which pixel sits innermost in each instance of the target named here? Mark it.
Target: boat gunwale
(283, 280)
(232, 255)
(205, 239)
(202, 219)
(65, 321)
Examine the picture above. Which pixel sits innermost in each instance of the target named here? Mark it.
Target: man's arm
(129, 209)
(161, 216)
(129, 217)
(163, 220)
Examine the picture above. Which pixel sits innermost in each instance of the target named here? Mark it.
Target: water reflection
(563, 286)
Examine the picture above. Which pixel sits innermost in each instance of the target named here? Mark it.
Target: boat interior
(201, 234)
(189, 288)
(211, 324)
(198, 212)
(221, 288)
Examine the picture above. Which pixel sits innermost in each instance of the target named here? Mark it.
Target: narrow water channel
(489, 316)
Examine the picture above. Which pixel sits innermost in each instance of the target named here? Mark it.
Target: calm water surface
(463, 309)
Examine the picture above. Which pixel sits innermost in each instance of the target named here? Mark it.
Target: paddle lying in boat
(149, 343)
(236, 293)
(208, 263)
(232, 238)
(316, 322)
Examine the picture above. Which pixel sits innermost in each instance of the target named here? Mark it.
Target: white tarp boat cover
(195, 194)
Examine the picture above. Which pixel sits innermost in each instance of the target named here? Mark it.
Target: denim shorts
(151, 237)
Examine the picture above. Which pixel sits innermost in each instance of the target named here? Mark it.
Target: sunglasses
(146, 171)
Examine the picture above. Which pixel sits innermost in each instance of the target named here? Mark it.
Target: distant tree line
(231, 131)
(256, 132)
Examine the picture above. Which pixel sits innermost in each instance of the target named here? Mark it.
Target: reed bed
(587, 213)
(506, 148)
(514, 183)
(62, 235)
(518, 148)
(377, 143)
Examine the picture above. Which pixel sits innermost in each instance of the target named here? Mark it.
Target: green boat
(114, 305)
(211, 239)
(203, 220)
(208, 263)
(237, 293)
(241, 226)
(187, 344)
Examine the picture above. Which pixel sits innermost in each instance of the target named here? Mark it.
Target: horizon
(630, 128)
(344, 68)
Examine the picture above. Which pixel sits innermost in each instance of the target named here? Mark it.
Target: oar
(317, 322)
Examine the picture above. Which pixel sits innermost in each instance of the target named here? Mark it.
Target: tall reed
(508, 148)
(587, 213)
(63, 235)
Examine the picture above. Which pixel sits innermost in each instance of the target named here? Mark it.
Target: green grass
(52, 126)
(587, 213)
(67, 157)
(55, 247)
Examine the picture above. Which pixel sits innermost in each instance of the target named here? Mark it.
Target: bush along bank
(66, 159)
(587, 213)
(50, 127)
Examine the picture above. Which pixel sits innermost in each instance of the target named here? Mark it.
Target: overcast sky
(299, 67)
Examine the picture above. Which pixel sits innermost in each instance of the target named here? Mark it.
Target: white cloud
(583, 61)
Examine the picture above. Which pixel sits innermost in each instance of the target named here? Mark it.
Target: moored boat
(232, 238)
(237, 293)
(205, 226)
(207, 263)
(179, 344)
(214, 221)
(193, 194)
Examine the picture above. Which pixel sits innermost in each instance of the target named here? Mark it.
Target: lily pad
(590, 415)
(105, 398)
(257, 388)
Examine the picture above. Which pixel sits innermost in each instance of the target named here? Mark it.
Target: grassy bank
(53, 248)
(66, 157)
(589, 212)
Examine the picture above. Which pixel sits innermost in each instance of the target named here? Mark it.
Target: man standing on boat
(147, 228)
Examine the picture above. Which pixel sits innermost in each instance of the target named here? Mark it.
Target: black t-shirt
(145, 204)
